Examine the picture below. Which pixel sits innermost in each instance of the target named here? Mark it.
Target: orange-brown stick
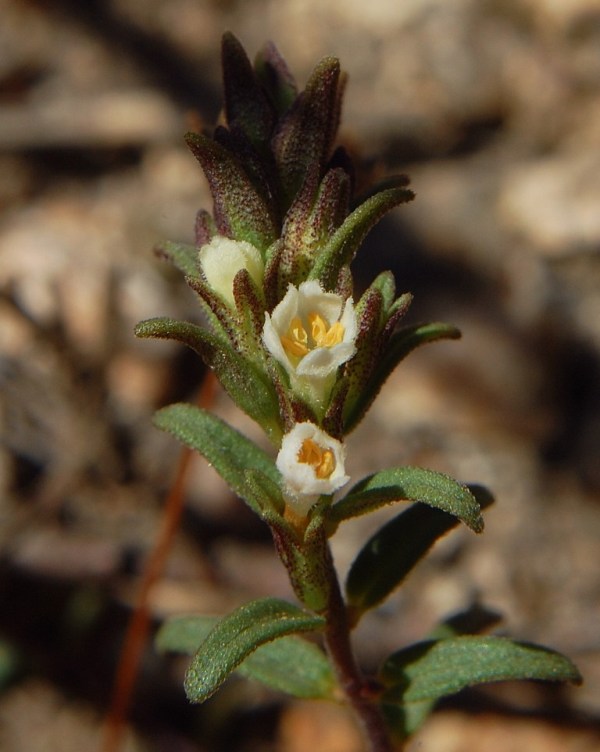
(137, 630)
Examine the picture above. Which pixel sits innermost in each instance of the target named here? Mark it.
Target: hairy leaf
(436, 668)
(409, 484)
(228, 451)
(393, 551)
(241, 212)
(288, 664)
(237, 635)
(182, 256)
(243, 381)
(344, 243)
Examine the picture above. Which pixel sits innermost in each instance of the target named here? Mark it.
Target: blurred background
(493, 108)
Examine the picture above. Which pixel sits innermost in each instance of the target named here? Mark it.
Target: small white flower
(222, 258)
(311, 333)
(311, 463)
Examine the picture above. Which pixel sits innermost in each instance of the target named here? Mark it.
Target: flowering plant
(271, 267)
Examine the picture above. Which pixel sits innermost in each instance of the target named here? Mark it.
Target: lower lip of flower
(296, 341)
(321, 460)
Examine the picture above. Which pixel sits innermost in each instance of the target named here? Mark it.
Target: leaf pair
(256, 639)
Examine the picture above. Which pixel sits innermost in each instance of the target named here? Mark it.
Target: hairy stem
(337, 643)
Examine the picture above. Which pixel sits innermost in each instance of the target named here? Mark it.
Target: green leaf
(405, 718)
(288, 664)
(243, 381)
(245, 102)
(184, 257)
(240, 210)
(305, 134)
(393, 551)
(409, 484)
(344, 243)
(237, 635)
(273, 73)
(436, 668)
(228, 451)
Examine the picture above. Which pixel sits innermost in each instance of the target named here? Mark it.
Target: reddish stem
(339, 648)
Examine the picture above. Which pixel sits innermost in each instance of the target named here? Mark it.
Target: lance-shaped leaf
(237, 635)
(288, 664)
(344, 243)
(405, 718)
(401, 343)
(184, 257)
(248, 387)
(393, 551)
(227, 450)
(245, 102)
(409, 484)
(240, 211)
(305, 134)
(436, 668)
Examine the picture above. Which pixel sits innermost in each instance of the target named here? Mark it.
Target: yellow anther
(322, 460)
(323, 336)
(296, 339)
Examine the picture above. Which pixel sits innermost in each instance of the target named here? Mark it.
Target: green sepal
(184, 257)
(245, 383)
(393, 551)
(215, 308)
(409, 484)
(344, 243)
(436, 668)
(401, 343)
(305, 134)
(307, 557)
(227, 450)
(238, 635)
(287, 664)
(275, 77)
(266, 494)
(245, 102)
(317, 211)
(240, 211)
(250, 305)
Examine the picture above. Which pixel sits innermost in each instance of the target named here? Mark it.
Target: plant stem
(339, 648)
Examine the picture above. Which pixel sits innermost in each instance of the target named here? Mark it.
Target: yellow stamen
(322, 460)
(295, 340)
(323, 336)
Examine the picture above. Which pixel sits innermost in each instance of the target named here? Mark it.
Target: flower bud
(222, 258)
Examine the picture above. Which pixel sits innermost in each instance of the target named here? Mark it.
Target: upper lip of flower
(311, 332)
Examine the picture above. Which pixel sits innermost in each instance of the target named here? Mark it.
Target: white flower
(222, 259)
(311, 463)
(311, 333)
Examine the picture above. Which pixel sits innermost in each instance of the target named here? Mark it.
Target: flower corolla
(311, 333)
(311, 463)
(222, 258)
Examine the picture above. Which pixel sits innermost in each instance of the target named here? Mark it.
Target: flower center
(296, 341)
(321, 460)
